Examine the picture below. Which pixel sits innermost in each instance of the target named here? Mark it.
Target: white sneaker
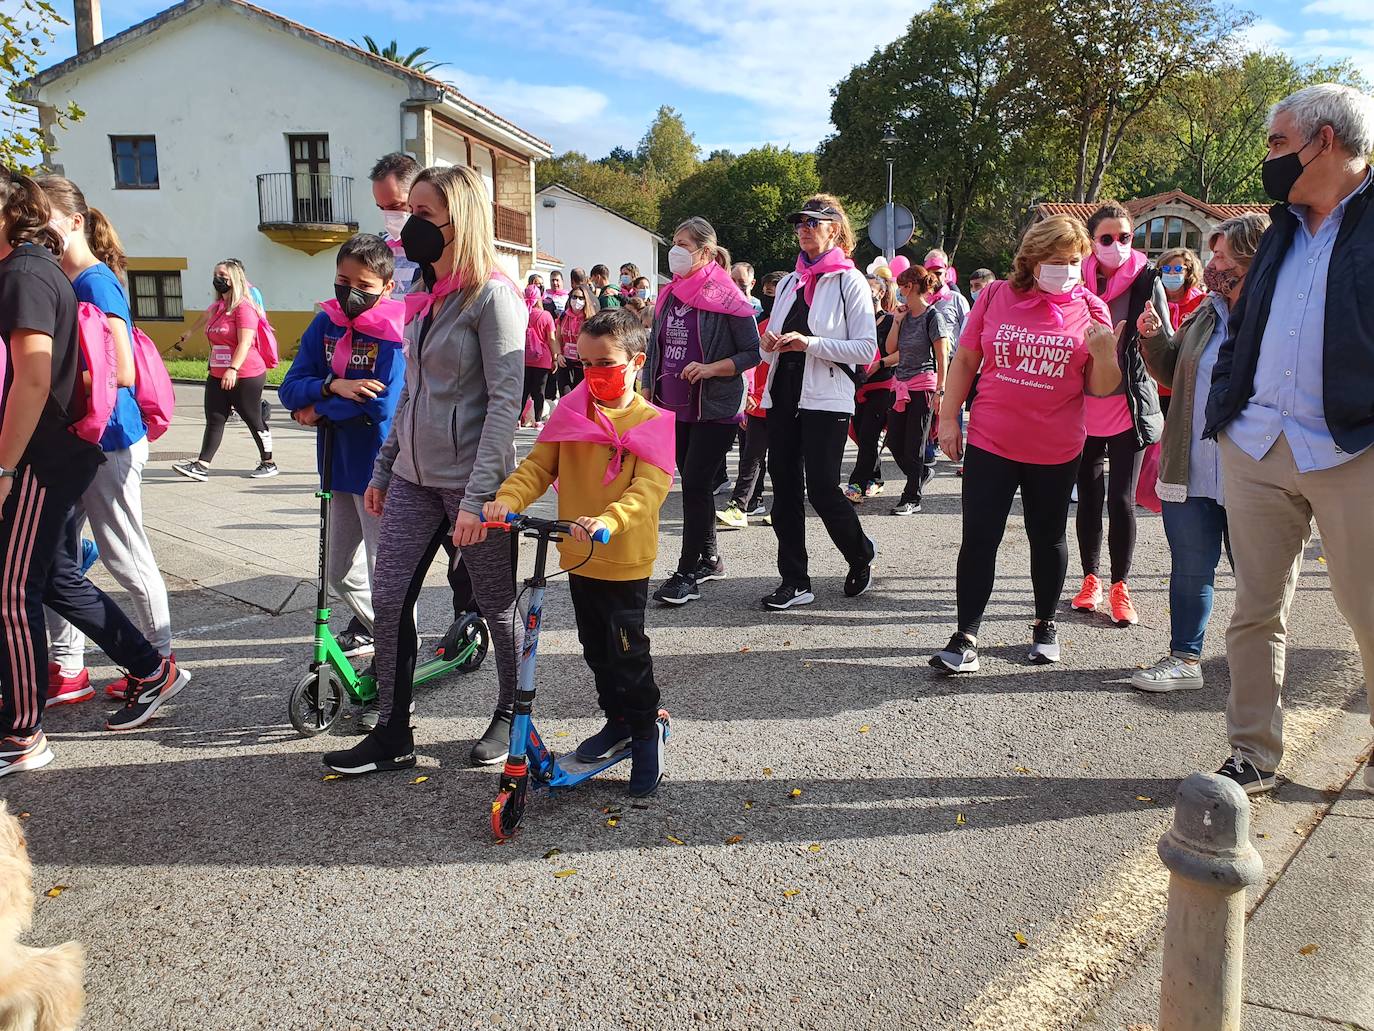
(1369, 776)
(733, 517)
(1169, 674)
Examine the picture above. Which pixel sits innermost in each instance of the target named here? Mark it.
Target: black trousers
(610, 626)
(37, 568)
(907, 434)
(804, 455)
(535, 379)
(701, 446)
(870, 418)
(989, 487)
(749, 483)
(1117, 486)
(460, 581)
(569, 376)
(246, 399)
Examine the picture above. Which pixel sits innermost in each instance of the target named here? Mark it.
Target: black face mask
(354, 301)
(1279, 175)
(423, 240)
(220, 284)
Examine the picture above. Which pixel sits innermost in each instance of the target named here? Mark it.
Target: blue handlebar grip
(602, 536)
(512, 516)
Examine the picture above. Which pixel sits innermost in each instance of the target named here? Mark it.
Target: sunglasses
(1171, 268)
(1107, 239)
(812, 223)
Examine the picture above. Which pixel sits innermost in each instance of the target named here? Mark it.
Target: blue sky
(742, 72)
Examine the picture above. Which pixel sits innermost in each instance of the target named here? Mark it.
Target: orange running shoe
(1123, 611)
(1090, 596)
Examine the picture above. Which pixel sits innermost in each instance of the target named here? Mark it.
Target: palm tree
(392, 52)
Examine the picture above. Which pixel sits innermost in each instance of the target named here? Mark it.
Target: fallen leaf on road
(744, 649)
(865, 729)
(1021, 769)
(419, 780)
(787, 644)
(787, 893)
(1321, 559)
(676, 840)
(553, 852)
(959, 820)
(560, 733)
(1143, 798)
(813, 848)
(58, 889)
(560, 874)
(1306, 950)
(612, 822)
(796, 792)
(734, 839)
(1021, 940)
(749, 805)
(333, 776)
(1261, 835)
(768, 771)
(25, 816)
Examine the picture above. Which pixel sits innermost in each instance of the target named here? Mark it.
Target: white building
(218, 129)
(584, 233)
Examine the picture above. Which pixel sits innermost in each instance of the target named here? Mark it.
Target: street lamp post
(890, 212)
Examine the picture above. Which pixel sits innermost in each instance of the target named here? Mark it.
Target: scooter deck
(570, 771)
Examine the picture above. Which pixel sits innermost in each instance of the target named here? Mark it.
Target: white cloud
(1263, 35)
(1352, 10)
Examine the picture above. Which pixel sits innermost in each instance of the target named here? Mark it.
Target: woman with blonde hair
(452, 443)
(237, 372)
(1044, 345)
(704, 339)
(821, 333)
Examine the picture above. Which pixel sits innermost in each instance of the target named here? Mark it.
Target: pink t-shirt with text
(223, 333)
(1029, 406)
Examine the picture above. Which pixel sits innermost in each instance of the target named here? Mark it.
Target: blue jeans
(1196, 529)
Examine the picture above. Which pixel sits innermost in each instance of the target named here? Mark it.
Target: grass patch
(196, 369)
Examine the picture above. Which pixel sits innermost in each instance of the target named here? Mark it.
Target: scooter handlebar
(516, 521)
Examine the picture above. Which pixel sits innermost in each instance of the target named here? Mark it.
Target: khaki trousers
(1270, 506)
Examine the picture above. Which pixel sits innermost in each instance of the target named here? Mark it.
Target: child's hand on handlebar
(584, 526)
(495, 511)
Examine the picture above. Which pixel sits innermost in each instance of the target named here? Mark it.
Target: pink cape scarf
(809, 273)
(1057, 303)
(654, 440)
(1118, 282)
(384, 321)
(419, 302)
(709, 288)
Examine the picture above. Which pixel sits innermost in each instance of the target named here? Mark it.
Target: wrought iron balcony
(309, 211)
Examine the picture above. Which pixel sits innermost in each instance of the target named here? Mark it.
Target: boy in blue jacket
(357, 390)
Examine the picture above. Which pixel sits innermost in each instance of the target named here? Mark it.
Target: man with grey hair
(1292, 404)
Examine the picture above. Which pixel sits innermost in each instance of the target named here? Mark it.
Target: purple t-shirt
(680, 343)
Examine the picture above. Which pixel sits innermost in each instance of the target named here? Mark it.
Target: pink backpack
(153, 385)
(99, 361)
(266, 343)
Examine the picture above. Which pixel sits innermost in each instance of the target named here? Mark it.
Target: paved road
(894, 831)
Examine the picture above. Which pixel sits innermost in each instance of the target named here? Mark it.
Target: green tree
(26, 32)
(392, 52)
(668, 151)
(631, 194)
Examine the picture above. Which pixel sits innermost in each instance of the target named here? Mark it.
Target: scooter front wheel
(509, 808)
(316, 702)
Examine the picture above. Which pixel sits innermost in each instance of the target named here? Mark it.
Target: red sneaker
(1090, 596)
(116, 688)
(67, 690)
(1123, 611)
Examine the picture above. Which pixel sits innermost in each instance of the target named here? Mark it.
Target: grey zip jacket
(454, 427)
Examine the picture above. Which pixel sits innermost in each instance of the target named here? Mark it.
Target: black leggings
(907, 433)
(990, 483)
(870, 416)
(569, 376)
(246, 399)
(701, 446)
(749, 483)
(534, 390)
(1117, 486)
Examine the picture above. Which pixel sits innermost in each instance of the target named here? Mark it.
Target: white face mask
(1058, 279)
(394, 221)
(63, 233)
(680, 261)
(577, 304)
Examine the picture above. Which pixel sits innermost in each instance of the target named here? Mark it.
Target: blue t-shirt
(101, 287)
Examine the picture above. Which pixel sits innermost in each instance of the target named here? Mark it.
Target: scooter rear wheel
(316, 702)
(508, 809)
(473, 631)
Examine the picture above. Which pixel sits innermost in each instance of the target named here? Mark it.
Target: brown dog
(40, 989)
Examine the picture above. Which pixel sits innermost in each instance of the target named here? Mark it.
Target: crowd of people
(1247, 383)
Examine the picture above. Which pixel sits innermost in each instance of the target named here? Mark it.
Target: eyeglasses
(1107, 239)
(1171, 268)
(810, 223)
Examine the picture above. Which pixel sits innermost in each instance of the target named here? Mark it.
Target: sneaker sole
(938, 662)
(264, 476)
(1259, 787)
(24, 763)
(183, 678)
(1084, 608)
(1043, 658)
(711, 576)
(362, 652)
(1167, 686)
(198, 477)
(1126, 622)
(385, 766)
(801, 599)
(70, 699)
(495, 760)
(679, 601)
(604, 755)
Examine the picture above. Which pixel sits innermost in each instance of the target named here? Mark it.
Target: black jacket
(1348, 333)
(1142, 395)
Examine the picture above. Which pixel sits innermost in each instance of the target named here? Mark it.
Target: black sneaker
(494, 744)
(1245, 773)
(355, 642)
(787, 596)
(142, 698)
(610, 739)
(646, 763)
(860, 578)
(28, 752)
(959, 656)
(264, 470)
(709, 569)
(907, 508)
(1044, 643)
(196, 470)
(380, 751)
(678, 589)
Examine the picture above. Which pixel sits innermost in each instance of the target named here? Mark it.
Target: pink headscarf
(810, 272)
(577, 419)
(532, 297)
(384, 321)
(710, 288)
(947, 277)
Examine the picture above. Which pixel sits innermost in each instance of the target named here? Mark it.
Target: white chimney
(89, 32)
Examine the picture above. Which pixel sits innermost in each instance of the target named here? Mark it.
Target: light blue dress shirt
(1204, 456)
(1287, 397)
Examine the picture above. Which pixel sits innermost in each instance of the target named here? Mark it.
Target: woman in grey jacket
(451, 445)
(704, 338)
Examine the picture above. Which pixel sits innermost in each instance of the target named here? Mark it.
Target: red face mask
(606, 382)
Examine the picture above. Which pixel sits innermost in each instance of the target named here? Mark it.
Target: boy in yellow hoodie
(610, 452)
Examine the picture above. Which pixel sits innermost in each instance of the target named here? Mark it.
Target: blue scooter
(529, 758)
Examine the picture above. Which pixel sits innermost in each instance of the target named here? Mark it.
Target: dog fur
(40, 989)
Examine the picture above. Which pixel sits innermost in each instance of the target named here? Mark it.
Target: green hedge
(196, 369)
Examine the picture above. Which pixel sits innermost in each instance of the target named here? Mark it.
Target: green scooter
(317, 700)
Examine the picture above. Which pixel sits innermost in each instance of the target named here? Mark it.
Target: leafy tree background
(27, 30)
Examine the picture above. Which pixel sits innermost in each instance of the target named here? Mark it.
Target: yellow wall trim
(156, 264)
(288, 325)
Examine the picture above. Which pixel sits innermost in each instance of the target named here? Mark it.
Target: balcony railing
(305, 198)
(512, 226)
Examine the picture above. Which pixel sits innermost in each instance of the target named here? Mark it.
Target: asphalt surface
(847, 838)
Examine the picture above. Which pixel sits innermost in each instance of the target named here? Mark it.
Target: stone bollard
(1211, 862)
